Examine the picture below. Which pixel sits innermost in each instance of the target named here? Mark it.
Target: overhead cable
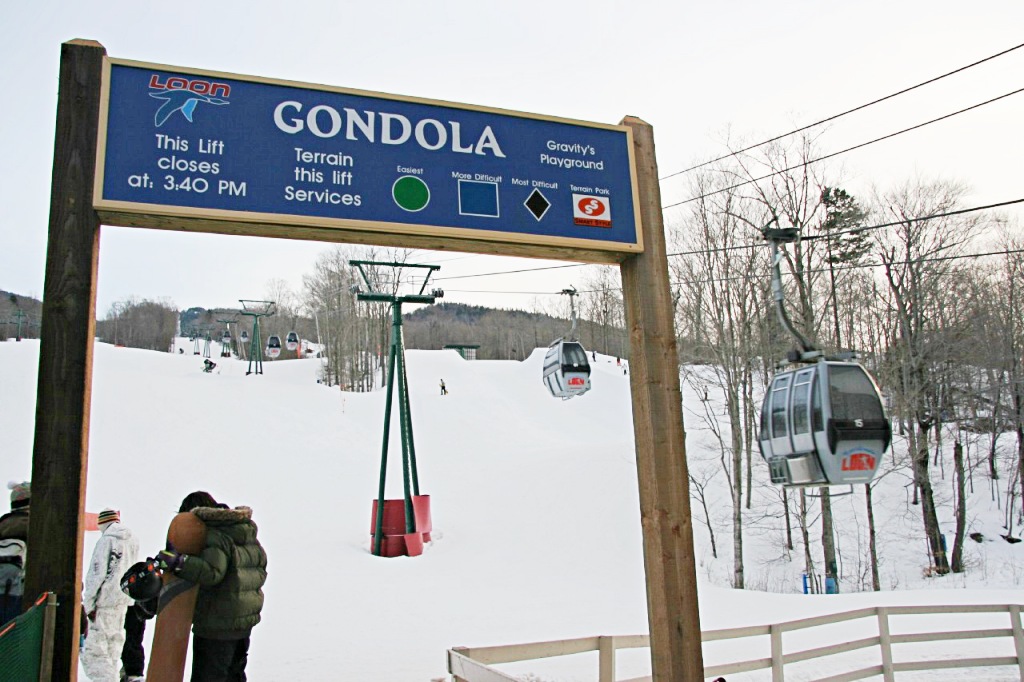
(741, 246)
(848, 111)
(843, 151)
(854, 230)
(511, 272)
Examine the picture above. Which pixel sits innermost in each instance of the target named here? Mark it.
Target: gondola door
(781, 446)
(800, 410)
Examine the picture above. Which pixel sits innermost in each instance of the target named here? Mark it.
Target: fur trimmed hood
(221, 516)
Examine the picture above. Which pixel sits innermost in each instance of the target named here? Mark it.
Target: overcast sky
(692, 70)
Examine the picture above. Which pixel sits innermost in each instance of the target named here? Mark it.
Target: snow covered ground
(535, 511)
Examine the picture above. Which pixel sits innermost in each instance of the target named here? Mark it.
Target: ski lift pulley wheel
(823, 424)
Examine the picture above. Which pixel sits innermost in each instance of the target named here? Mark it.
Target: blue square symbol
(478, 198)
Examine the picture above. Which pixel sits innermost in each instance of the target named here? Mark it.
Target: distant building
(466, 350)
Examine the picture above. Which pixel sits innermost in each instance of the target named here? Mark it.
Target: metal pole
(378, 531)
(403, 414)
(780, 299)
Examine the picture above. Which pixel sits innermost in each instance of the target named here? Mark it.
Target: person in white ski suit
(103, 601)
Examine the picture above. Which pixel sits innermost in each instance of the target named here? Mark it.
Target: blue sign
(184, 142)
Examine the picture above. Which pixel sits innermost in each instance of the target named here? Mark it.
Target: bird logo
(184, 101)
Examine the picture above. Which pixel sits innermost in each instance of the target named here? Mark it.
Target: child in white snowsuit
(103, 601)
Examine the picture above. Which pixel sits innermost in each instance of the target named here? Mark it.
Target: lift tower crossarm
(431, 269)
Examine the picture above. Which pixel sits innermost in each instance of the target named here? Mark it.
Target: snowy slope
(537, 533)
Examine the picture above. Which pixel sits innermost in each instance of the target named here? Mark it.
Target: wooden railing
(474, 664)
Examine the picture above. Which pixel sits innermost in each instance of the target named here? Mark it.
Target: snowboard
(187, 535)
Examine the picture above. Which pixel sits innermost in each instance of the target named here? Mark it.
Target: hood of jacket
(220, 516)
(236, 523)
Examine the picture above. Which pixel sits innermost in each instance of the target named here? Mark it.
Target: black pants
(10, 607)
(133, 656)
(219, 660)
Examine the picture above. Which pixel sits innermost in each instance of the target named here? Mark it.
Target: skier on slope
(102, 599)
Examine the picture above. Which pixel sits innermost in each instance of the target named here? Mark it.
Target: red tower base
(395, 541)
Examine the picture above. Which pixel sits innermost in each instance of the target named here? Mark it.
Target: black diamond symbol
(537, 204)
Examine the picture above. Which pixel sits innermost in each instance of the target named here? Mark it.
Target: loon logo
(184, 95)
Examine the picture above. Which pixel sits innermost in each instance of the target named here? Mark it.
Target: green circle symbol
(410, 193)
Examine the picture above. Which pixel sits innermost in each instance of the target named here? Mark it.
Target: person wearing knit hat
(20, 494)
(13, 544)
(102, 599)
(14, 524)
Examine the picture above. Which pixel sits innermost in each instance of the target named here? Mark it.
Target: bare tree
(918, 270)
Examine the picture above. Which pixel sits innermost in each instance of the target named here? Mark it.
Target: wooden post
(606, 658)
(60, 451)
(885, 644)
(778, 656)
(1018, 637)
(660, 440)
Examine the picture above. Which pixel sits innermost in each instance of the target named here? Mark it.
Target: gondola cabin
(566, 370)
(273, 346)
(225, 344)
(291, 342)
(823, 424)
(245, 336)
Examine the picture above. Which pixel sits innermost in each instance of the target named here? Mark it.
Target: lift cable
(848, 111)
(742, 246)
(843, 151)
(855, 230)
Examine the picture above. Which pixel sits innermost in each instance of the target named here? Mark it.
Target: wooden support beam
(60, 451)
(660, 439)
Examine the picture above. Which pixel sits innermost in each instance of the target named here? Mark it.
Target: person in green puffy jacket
(230, 572)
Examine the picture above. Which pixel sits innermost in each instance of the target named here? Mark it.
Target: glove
(169, 560)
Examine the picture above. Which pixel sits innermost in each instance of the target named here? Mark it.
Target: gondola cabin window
(801, 402)
(780, 396)
(853, 395)
(575, 358)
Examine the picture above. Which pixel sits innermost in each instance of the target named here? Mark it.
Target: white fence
(474, 664)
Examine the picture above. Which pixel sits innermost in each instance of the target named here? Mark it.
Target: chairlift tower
(397, 368)
(256, 310)
(19, 316)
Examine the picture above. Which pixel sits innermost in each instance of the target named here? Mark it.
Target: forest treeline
(892, 275)
(19, 316)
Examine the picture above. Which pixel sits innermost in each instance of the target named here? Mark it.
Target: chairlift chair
(566, 370)
(225, 344)
(823, 424)
(291, 342)
(822, 421)
(273, 346)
